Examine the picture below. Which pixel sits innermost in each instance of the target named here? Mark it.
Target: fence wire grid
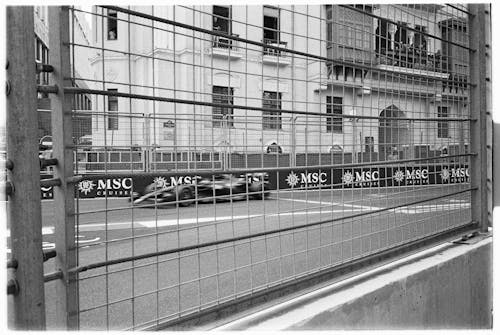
(220, 151)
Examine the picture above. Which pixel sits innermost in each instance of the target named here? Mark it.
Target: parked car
(204, 189)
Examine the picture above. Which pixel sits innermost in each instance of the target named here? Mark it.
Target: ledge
(447, 286)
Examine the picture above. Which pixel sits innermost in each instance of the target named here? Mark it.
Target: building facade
(80, 31)
(338, 68)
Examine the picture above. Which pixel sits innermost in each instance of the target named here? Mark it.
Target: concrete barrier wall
(446, 287)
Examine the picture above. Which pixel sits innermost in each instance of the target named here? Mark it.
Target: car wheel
(185, 195)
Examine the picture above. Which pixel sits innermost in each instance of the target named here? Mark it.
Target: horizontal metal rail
(260, 44)
(318, 80)
(76, 90)
(254, 119)
(84, 268)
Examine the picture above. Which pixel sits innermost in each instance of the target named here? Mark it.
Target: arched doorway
(393, 135)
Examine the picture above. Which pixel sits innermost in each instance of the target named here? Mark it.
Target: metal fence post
(25, 221)
(64, 220)
(478, 127)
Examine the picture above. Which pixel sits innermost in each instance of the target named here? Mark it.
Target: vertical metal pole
(24, 207)
(478, 168)
(64, 221)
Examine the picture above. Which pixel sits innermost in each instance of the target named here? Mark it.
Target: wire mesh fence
(226, 150)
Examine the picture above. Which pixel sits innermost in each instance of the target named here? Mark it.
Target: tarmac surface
(133, 295)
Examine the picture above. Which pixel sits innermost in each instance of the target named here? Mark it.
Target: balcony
(226, 47)
(275, 56)
(410, 60)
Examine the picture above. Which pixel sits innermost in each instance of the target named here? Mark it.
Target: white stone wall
(185, 65)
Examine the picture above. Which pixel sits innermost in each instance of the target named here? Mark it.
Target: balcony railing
(411, 57)
(224, 42)
(270, 43)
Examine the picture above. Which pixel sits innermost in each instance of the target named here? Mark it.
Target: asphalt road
(135, 294)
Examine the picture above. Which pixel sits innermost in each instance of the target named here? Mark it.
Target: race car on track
(206, 189)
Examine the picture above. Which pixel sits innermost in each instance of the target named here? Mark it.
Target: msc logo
(363, 178)
(161, 182)
(399, 176)
(308, 179)
(86, 186)
(115, 186)
(455, 175)
(417, 176)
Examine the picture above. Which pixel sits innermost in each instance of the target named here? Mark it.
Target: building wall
(186, 66)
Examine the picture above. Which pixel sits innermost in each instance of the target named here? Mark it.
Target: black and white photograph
(245, 166)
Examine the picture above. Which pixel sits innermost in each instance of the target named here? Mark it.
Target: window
(369, 144)
(271, 120)
(42, 55)
(442, 125)
(112, 110)
(271, 28)
(271, 24)
(383, 37)
(221, 20)
(334, 106)
(401, 36)
(419, 39)
(112, 24)
(329, 25)
(222, 115)
(222, 23)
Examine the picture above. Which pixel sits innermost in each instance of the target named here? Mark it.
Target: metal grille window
(271, 120)
(442, 126)
(222, 116)
(112, 110)
(334, 106)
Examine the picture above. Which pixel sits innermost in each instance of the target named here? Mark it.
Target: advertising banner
(369, 177)
(98, 186)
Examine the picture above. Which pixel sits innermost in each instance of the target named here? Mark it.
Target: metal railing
(225, 43)
(271, 51)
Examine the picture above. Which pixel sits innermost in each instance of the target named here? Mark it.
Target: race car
(206, 189)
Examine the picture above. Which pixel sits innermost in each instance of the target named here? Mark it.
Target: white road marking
(452, 204)
(404, 210)
(372, 208)
(45, 231)
(175, 222)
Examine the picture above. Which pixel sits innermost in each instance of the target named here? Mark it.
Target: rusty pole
(478, 127)
(24, 208)
(64, 196)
